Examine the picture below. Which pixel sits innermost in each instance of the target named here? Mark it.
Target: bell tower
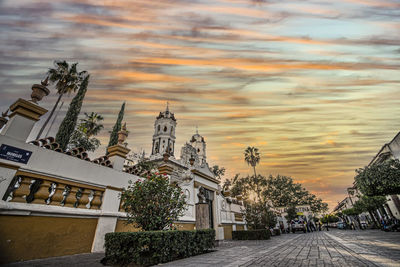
(199, 144)
(164, 134)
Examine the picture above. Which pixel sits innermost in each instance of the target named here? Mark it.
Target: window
(158, 128)
(165, 128)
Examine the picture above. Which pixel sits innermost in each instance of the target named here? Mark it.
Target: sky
(313, 84)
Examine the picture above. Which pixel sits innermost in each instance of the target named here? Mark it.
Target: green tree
(67, 126)
(84, 132)
(153, 203)
(379, 179)
(218, 171)
(259, 216)
(91, 124)
(117, 127)
(67, 79)
(280, 191)
(252, 157)
(370, 205)
(330, 218)
(291, 213)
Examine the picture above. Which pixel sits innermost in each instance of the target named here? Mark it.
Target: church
(192, 172)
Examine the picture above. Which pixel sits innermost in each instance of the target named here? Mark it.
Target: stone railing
(51, 191)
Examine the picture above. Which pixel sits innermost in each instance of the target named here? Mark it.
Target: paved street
(333, 248)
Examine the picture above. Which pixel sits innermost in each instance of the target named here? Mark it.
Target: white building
(55, 203)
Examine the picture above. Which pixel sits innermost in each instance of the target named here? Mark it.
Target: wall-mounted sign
(14, 154)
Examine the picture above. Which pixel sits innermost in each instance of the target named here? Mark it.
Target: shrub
(153, 203)
(277, 231)
(153, 247)
(261, 234)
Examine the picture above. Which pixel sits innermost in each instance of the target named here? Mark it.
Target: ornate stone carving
(202, 195)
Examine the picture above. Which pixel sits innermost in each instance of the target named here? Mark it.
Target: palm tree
(67, 80)
(91, 124)
(252, 157)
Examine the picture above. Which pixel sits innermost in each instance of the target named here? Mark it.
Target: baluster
(23, 190)
(70, 201)
(96, 203)
(42, 192)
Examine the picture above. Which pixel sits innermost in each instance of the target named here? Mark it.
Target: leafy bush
(153, 247)
(261, 234)
(153, 203)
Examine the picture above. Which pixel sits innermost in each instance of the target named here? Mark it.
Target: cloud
(313, 85)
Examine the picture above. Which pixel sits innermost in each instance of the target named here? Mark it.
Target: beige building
(57, 203)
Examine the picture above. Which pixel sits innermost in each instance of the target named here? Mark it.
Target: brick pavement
(333, 248)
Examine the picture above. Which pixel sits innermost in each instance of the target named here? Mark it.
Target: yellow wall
(239, 227)
(227, 231)
(123, 227)
(34, 237)
(185, 226)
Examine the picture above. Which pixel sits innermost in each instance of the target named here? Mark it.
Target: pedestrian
(319, 226)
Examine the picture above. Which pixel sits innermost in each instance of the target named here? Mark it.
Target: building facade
(56, 202)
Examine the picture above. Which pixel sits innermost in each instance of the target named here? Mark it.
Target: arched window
(165, 128)
(158, 128)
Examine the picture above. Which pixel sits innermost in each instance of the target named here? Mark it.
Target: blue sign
(14, 154)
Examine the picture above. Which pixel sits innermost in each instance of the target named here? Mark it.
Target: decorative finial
(122, 135)
(197, 129)
(45, 82)
(167, 107)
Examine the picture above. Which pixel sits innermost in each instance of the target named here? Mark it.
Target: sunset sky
(313, 84)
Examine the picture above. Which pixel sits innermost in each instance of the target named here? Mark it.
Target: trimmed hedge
(261, 234)
(277, 231)
(153, 247)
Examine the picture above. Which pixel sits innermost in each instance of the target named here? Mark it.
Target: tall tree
(67, 80)
(117, 127)
(84, 132)
(252, 157)
(91, 124)
(379, 179)
(67, 126)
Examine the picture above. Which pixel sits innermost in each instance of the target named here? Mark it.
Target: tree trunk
(257, 183)
(49, 117)
(373, 218)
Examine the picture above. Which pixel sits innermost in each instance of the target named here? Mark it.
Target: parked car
(341, 225)
(298, 225)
